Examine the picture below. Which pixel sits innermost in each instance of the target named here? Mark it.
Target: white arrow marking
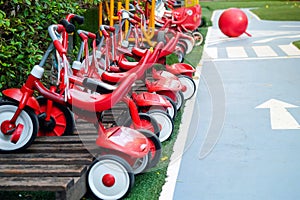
(280, 117)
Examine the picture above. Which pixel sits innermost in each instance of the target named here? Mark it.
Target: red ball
(233, 22)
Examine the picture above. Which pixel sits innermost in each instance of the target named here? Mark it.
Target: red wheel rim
(60, 122)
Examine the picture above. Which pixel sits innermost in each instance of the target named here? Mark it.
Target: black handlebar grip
(78, 19)
(70, 28)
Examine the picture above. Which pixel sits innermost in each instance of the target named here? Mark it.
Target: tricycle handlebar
(70, 28)
(105, 28)
(79, 19)
(58, 45)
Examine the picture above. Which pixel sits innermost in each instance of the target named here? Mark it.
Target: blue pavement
(237, 147)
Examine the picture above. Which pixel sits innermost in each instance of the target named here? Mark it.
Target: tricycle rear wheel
(61, 120)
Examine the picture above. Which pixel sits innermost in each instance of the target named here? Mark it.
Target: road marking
(290, 50)
(211, 52)
(179, 145)
(285, 36)
(236, 52)
(253, 58)
(280, 118)
(264, 51)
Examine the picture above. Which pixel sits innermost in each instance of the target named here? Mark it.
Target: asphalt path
(240, 136)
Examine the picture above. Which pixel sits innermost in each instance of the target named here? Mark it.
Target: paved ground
(242, 139)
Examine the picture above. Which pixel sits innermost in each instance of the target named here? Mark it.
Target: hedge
(24, 36)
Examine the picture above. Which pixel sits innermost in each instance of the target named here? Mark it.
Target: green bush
(24, 36)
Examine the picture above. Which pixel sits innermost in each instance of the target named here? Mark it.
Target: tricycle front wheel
(26, 125)
(165, 122)
(190, 85)
(110, 177)
(198, 37)
(147, 121)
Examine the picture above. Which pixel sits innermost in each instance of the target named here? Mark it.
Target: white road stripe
(264, 51)
(211, 52)
(290, 50)
(179, 145)
(236, 52)
(252, 58)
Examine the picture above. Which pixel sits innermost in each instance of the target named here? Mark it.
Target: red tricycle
(130, 148)
(183, 19)
(92, 66)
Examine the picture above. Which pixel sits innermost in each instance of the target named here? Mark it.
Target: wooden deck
(57, 164)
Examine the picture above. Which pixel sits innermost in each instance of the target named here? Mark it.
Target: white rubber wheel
(141, 164)
(183, 46)
(198, 37)
(172, 111)
(190, 45)
(110, 177)
(30, 127)
(147, 120)
(190, 85)
(166, 123)
(179, 100)
(180, 55)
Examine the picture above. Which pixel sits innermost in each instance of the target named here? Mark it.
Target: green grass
(289, 11)
(12, 195)
(297, 44)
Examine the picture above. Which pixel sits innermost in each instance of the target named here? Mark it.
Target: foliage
(24, 36)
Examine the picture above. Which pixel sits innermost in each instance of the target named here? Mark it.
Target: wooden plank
(57, 164)
(74, 193)
(57, 148)
(87, 127)
(36, 183)
(42, 170)
(56, 139)
(74, 139)
(46, 158)
(43, 155)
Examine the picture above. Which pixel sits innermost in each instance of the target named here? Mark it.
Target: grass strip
(297, 44)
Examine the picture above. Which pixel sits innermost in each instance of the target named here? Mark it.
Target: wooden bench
(56, 164)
